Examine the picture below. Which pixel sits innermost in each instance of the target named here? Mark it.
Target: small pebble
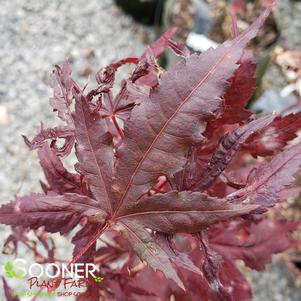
(4, 120)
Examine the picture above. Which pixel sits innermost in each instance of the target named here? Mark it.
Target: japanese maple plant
(174, 175)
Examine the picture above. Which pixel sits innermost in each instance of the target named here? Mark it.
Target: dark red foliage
(164, 177)
(249, 241)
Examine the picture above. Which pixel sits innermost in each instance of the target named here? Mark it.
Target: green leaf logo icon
(9, 270)
(98, 279)
(10, 273)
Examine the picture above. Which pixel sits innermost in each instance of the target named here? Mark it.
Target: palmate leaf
(123, 169)
(158, 135)
(160, 148)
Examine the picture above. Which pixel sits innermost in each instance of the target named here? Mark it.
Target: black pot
(148, 12)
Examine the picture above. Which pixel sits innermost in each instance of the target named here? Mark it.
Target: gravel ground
(35, 35)
(288, 14)
(275, 284)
